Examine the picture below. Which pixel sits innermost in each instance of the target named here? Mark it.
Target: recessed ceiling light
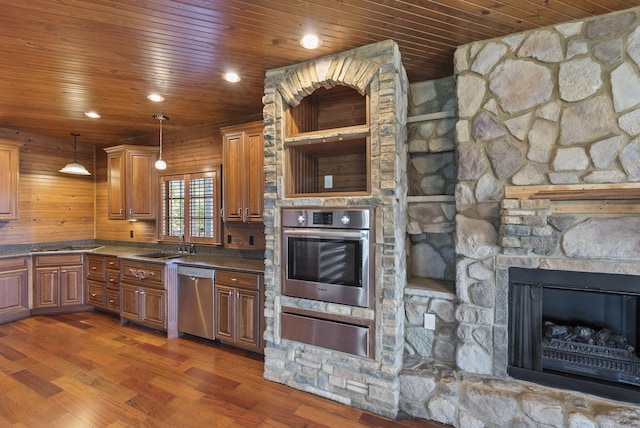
(156, 98)
(92, 114)
(310, 41)
(231, 77)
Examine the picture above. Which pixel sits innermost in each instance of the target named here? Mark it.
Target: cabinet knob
(94, 294)
(111, 301)
(234, 279)
(93, 268)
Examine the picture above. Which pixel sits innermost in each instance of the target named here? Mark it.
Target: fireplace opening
(576, 330)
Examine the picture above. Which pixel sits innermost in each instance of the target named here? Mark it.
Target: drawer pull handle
(234, 279)
(93, 268)
(141, 274)
(94, 294)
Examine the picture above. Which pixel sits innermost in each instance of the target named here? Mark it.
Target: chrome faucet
(182, 246)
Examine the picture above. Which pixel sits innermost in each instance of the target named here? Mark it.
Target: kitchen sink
(160, 255)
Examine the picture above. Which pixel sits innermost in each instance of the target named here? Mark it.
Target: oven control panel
(336, 218)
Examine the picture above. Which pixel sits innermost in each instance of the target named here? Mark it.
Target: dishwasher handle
(196, 272)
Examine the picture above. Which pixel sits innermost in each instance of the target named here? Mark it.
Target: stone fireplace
(575, 330)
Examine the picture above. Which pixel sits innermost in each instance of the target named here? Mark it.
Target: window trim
(215, 174)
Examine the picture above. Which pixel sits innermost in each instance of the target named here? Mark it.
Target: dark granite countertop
(137, 253)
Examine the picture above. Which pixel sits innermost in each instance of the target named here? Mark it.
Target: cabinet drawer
(96, 267)
(234, 278)
(149, 274)
(113, 300)
(14, 263)
(59, 260)
(96, 294)
(112, 263)
(113, 279)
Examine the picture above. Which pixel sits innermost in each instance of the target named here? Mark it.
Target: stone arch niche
(375, 72)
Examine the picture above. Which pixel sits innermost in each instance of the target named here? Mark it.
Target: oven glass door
(326, 257)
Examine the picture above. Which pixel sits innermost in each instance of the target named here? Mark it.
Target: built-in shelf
(430, 287)
(431, 116)
(327, 144)
(430, 198)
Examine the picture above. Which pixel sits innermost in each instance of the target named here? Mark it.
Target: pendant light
(160, 163)
(75, 167)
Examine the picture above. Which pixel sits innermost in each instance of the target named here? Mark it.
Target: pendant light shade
(75, 167)
(160, 163)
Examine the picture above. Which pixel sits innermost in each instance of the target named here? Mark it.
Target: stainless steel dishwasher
(195, 301)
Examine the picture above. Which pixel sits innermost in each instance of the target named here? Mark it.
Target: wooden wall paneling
(349, 172)
(339, 107)
(58, 207)
(241, 236)
(52, 206)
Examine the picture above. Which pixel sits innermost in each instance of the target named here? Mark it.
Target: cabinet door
(153, 302)
(132, 182)
(46, 293)
(13, 291)
(248, 318)
(71, 285)
(116, 183)
(254, 192)
(224, 312)
(9, 166)
(130, 301)
(234, 177)
(141, 186)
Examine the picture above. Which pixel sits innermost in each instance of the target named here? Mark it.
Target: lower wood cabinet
(145, 305)
(143, 296)
(238, 301)
(58, 283)
(103, 282)
(13, 289)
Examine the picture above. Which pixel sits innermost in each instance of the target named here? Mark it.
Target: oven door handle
(334, 234)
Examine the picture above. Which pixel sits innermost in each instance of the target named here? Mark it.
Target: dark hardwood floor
(85, 370)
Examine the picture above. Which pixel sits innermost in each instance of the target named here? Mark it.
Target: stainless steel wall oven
(326, 254)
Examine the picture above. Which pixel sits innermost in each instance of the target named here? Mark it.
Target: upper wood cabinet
(243, 172)
(9, 168)
(132, 182)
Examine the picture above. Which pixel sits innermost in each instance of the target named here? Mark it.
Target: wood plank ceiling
(62, 58)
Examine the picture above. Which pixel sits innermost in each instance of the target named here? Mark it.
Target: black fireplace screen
(575, 330)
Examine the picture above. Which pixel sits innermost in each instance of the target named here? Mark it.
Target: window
(190, 206)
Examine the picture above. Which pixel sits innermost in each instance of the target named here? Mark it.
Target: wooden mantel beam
(575, 192)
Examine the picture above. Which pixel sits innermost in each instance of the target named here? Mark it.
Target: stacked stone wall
(369, 383)
(553, 106)
(431, 172)
(549, 106)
